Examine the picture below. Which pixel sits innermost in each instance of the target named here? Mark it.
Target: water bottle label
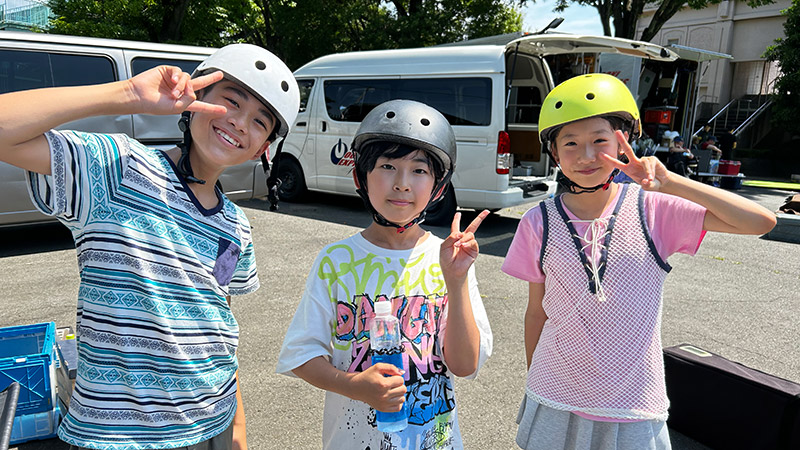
(387, 351)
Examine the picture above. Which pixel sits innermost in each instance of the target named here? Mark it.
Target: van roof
(428, 60)
(476, 59)
(27, 36)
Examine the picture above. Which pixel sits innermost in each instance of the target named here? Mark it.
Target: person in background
(711, 144)
(727, 143)
(679, 157)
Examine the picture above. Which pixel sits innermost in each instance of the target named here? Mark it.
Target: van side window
(142, 64)
(22, 70)
(305, 91)
(463, 101)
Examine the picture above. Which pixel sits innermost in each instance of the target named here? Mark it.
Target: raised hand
(169, 90)
(648, 172)
(382, 387)
(460, 249)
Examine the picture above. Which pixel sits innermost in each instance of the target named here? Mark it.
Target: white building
(729, 27)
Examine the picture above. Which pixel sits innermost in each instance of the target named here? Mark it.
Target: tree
(786, 52)
(305, 30)
(296, 30)
(194, 22)
(625, 13)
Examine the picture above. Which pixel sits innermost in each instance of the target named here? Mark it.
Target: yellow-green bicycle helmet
(585, 96)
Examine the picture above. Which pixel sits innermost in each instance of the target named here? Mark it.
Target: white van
(494, 114)
(35, 60)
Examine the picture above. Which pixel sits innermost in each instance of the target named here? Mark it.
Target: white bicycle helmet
(264, 74)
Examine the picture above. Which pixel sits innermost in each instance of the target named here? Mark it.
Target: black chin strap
(184, 166)
(575, 188)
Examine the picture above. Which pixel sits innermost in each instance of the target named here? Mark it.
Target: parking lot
(737, 297)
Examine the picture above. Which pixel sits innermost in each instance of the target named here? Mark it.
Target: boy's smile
(233, 138)
(400, 188)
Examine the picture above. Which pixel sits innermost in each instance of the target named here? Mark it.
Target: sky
(578, 19)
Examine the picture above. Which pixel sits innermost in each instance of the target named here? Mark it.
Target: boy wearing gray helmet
(405, 153)
(160, 249)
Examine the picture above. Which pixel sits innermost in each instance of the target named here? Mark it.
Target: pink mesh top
(599, 353)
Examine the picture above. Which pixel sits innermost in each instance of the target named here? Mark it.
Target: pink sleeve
(523, 259)
(675, 224)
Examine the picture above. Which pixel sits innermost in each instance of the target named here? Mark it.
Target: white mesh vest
(601, 354)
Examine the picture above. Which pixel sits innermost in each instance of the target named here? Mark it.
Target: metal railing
(713, 119)
(737, 105)
(752, 117)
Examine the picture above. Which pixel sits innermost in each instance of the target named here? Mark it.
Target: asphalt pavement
(738, 297)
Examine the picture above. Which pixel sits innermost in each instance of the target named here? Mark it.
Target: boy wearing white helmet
(405, 152)
(160, 248)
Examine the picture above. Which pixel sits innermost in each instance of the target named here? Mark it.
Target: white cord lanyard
(593, 237)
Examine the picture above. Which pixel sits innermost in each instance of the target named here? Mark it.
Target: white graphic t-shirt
(333, 321)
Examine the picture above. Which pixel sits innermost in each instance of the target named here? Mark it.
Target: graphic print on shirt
(430, 392)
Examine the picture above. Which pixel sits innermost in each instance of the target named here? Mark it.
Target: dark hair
(368, 155)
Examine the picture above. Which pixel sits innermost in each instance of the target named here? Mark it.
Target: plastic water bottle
(385, 342)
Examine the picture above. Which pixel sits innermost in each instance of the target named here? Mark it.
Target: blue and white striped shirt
(156, 338)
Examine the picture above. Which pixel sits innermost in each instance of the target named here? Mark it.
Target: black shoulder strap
(273, 182)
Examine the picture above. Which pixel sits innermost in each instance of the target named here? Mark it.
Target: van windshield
(463, 101)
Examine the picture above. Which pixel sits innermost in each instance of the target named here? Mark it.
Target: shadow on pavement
(37, 238)
(47, 444)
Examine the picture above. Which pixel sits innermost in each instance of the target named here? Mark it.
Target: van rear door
(531, 81)
(555, 44)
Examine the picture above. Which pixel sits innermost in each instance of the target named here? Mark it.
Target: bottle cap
(383, 308)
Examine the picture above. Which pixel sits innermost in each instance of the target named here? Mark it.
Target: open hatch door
(555, 44)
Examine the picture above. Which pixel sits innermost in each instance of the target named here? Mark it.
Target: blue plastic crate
(43, 425)
(27, 356)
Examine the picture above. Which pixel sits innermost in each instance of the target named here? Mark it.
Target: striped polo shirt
(156, 338)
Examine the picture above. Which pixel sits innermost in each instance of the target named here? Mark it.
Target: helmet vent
(425, 122)
(390, 115)
(285, 86)
(590, 96)
(261, 65)
(558, 105)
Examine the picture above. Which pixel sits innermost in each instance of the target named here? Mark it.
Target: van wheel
(442, 212)
(293, 184)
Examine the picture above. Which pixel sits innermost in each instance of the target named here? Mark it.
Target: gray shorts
(222, 441)
(543, 428)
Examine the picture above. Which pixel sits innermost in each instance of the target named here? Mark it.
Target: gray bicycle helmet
(415, 125)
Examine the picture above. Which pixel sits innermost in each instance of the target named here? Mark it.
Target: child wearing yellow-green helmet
(583, 97)
(596, 264)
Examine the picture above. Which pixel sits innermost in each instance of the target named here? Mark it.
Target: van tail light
(504, 160)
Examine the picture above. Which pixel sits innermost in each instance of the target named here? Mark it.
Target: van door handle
(324, 126)
(300, 124)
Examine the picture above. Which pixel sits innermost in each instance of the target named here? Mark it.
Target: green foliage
(195, 22)
(297, 30)
(786, 52)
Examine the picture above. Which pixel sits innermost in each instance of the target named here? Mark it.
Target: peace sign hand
(169, 90)
(460, 249)
(648, 172)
